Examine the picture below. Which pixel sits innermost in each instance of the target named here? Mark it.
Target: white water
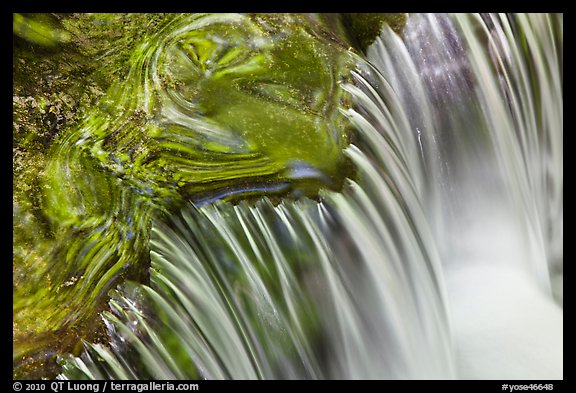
(487, 110)
(437, 263)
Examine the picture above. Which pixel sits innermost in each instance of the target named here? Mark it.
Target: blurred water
(486, 109)
(438, 261)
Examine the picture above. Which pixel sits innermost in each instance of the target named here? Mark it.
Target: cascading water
(436, 262)
(486, 108)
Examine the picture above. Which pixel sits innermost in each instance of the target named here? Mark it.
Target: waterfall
(485, 104)
(440, 259)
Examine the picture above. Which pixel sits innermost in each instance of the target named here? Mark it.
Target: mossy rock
(121, 118)
(364, 28)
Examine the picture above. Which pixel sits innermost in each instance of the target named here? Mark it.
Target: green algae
(39, 29)
(54, 88)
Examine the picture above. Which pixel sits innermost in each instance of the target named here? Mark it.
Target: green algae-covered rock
(214, 106)
(363, 28)
(149, 111)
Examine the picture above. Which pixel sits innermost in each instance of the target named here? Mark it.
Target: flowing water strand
(262, 292)
(473, 107)
(528, 54)
(458, 195)
(521, 101)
